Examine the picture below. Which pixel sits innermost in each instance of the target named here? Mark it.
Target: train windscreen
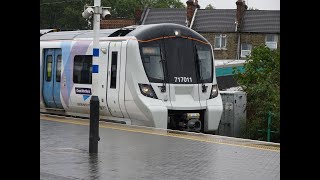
(151, 57)
(177, 61)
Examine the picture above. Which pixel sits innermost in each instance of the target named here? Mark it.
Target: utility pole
(94, 102)
(95, 51)
(96, 11)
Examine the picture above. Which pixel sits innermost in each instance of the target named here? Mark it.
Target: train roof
(45, 31)
(69, 35)
(141, 32)
(152, 31)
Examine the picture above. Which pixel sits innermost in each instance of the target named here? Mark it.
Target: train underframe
(186, 120)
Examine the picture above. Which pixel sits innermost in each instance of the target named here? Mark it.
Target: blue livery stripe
(96, 52)
(85, 97)
(95, 68)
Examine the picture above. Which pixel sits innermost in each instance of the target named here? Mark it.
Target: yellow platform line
(165, 133)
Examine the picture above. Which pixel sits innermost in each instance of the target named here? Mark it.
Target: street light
(105, 13)
(95, 12)
(87, 14)
(90, 10)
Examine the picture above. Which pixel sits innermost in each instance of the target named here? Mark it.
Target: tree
(209, 6)
(67, 14)
(126, 8)
(62, 14)
(261, 82)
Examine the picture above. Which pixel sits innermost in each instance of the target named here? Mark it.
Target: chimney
(196, 4)
(241, 8)
(190, 10)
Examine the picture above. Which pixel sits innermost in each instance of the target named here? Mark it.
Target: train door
(52, 78)
(113, 79)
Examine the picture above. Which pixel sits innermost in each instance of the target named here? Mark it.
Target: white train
(159, 75)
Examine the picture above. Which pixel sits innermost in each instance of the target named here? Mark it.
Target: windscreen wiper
(163, 62)
(163, 87)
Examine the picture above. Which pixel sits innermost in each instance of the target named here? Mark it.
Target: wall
(116, 23)
(230, 52)
(255, 39)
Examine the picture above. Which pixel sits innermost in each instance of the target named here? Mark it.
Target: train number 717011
(182, 79)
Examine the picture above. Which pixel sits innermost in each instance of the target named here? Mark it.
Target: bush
(261, 82)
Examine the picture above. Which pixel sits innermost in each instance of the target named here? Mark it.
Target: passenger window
(82, 69)
(49, 68)
(58, 69)
(113, 70)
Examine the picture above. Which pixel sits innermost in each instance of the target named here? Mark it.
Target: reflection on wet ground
(136, 154)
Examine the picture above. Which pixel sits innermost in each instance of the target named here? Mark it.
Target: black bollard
(94, 125)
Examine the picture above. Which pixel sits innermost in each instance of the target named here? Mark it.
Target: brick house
(231, 32)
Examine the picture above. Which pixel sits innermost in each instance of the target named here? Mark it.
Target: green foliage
(62, 14)
(209, 6)
(261, 82)
(126, 8)
(66, 14)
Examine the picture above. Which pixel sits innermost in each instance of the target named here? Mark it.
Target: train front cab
(177, 86)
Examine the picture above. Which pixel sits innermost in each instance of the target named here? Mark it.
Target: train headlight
(147, 90)
(214, 91)
(177, 33)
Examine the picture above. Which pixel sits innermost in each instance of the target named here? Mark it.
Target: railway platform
(133, 152)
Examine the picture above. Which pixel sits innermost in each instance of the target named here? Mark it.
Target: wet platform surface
(128, 152)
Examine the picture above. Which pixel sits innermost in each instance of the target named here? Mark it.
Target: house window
(220, 41)
(245, 49)
(271, 41)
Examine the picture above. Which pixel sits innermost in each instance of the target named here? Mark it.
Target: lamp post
(95, 50)
(95, 11)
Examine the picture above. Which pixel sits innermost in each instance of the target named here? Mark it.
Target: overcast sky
(231, 4)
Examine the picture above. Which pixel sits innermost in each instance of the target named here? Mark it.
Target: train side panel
(141, 109)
